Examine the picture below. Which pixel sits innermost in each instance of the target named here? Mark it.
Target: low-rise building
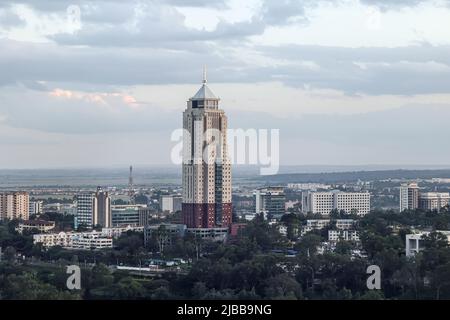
(414, 241)
(344, 224)
(74, 240)
(62, 239)
(318, 224)
(39, 225)
(116, 232)
(343, 235)
(91, 241)
(212, 234)
(165, 231)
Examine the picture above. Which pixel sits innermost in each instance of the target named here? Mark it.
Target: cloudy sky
(104, 82)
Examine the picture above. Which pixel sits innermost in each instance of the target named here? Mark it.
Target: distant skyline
(347, 82)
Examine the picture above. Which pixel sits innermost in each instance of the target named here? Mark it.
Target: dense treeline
(252, 266)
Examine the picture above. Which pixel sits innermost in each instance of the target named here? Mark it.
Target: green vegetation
(252, 266)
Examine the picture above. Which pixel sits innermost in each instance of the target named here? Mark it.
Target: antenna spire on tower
(204, 74)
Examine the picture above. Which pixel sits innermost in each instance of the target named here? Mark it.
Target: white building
(171, 203)
(318, 224)
(414, 241)
(308, 186)
(116, 232)
(324, 202)
(62, 239)
(91, 241)
(315, 224)
(434, 200)
(344, 235)
(35, 207)
(74, 240)
(41, 226)
(345, 224)
(409, 196)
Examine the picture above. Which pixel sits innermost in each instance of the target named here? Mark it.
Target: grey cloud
(279, 12)
(404, 71)
(60, 5)
(10, 19)
(105, 66)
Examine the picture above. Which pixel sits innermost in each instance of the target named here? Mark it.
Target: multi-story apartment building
(206, 177)
(409, 196)
(14, 205)
(324, 202)
(271, 201)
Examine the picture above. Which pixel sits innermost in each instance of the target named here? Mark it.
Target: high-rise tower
(206, 167)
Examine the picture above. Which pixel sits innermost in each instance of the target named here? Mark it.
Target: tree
(441, 279)
(10, 255)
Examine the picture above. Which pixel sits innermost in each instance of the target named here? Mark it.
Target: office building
(324, 202)
(409, 196)
(206, 176)
(14, 205)
(85, 210)
(102, 209)
(171, 203)
(145, 214)
(35, 207)
(434, 200)
(270, 201)
(127, 215)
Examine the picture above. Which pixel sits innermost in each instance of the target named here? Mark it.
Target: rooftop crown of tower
(204, 94)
